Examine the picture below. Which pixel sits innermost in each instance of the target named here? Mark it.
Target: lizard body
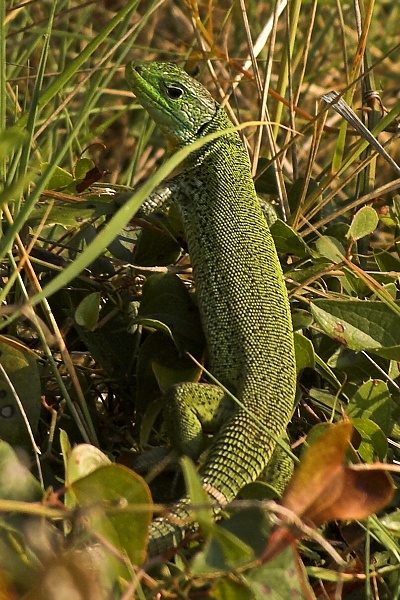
(241, 293)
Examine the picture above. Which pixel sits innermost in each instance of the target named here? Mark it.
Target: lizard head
(179, 105)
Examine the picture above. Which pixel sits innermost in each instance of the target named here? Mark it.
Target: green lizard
(241, 293)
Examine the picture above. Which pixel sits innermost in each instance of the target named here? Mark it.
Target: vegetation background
(92, 312)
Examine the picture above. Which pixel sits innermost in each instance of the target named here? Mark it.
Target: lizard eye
(174, 91)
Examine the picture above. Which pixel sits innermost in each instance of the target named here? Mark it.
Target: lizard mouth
(142, 86)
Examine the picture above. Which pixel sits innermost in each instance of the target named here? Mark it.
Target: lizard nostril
(138, 69)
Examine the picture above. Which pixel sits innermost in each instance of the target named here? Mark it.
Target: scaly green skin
(241, 292)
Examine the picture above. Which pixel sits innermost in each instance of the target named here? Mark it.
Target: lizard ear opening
(202, 127)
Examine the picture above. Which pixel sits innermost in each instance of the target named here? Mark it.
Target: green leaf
(197, 494)
(168, 376)
(88, 310)
(304, 352)
(307, 272)
(70, 215)
(16, 482)
(79, 462)
(372, 401)
(295, 192)
(20, 365)
(167, 305)
(265, 179)
(386, 261)
(110, 495)
(112, 345)
(226, 589)
(82, 166)
(156, 248)
(83, 460)
(157, 357)
(223, 552)
(301, 319)
(287, 240)
(225, 549)
(360, 325)
(373, 440)
(364, 222)
(392, 522)
(60, 178)
(282, 578)
(330, 248)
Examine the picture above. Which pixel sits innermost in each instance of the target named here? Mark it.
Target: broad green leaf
(225, 549)
(355, 365)
(79, 462)
(110, 495)
(159, 365)
(83, 460)
(330, 248)
(227, 589)
(282, 578)
(338, 230)
(167, 376)
(147, 418)
(112, 345)
(372, 401)
(323, 397)
(373, 440)
(87, 313)
(386, 261)
(197, 494)
(70, 215)
(223, 552)
(156, 350)
(156, 248)
(352, 282)
(307, 272)
(20, 365)
(16, 482)
(392, 522)
(295, 192)
(122, 247)
(364, 222)
(301, 319)
(360, 325)
(391, 289)
(276, 579)
(157, 325)
(82, 166)
(288, 241)
(167, 305)
(60, 178)
(65, 446)
(265, 180)
(304, 352)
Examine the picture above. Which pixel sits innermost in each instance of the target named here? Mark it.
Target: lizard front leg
(191, 409)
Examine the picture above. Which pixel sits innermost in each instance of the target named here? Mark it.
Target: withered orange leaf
(324, 489)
